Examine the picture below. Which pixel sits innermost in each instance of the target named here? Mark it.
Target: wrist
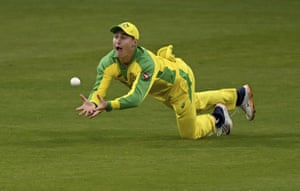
(94, 104)
(108, 106)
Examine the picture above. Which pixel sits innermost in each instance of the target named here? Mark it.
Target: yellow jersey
(156, 75)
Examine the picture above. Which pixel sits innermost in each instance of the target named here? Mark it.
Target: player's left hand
(100, 108)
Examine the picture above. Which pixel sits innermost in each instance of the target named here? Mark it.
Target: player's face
(124, 46)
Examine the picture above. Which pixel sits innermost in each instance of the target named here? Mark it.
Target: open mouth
(118, 48)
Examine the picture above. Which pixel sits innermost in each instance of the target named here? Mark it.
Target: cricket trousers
(187, 103)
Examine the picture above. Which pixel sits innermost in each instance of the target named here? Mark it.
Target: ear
(135, 42)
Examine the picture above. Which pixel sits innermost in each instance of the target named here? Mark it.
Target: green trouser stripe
(185, 76)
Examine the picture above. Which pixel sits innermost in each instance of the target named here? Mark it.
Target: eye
(115, 36)
(124, 37)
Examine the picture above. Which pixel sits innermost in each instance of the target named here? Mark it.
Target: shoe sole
(251, 102)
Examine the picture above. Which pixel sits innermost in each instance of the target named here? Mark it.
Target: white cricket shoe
(227, 125)
(248, 105)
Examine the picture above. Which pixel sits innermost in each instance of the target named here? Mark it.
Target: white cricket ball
(75, 81)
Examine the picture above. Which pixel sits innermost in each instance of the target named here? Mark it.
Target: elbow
(136, 104)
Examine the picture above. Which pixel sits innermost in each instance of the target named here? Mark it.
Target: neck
(125, 61)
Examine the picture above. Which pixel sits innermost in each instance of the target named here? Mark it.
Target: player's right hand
(87, 108)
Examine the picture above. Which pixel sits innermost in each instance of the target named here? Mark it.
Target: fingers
(103, 103)
(88, 109)
(82, 112)
(100, 98)
(90, 114)
(84, 99)
(95, 114)
(79, 108)
(86, 113)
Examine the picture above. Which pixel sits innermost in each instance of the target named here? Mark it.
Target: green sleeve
(140, 87)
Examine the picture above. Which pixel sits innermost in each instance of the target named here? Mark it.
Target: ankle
(241, 92)
(219, 117)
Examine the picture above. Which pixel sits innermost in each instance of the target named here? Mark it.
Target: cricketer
(169, 80)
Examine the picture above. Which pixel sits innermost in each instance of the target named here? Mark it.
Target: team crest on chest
(146, 76)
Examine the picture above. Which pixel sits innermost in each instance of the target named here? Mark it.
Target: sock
(240, 96)
(219, 116)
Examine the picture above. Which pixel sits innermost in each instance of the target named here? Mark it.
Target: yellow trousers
(187, 103)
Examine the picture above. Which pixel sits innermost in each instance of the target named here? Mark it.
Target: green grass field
(46, 146)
